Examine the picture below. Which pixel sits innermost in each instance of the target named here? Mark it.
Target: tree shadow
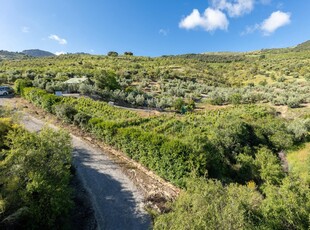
(115, 205)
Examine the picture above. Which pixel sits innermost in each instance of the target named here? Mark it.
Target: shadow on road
(7, 96)
(115, 205)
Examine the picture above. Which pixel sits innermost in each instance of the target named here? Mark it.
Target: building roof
(76, 80)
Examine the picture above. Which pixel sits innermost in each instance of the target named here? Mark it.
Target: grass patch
(299, 161)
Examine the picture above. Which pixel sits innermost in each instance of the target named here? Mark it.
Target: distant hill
(7, 55)
(303, 46)
(38, 53)
(224, 57)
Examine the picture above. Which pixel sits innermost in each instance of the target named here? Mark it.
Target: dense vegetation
(34, 177)
(233, 145)
(37, 53)
(230, 160)
(6, 55)
(279, 77)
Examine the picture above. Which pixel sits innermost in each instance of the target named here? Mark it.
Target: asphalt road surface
(115, 199)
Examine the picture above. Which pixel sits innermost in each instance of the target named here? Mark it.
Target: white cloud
(61, 41)
(60, 53)
(163, 32)
(275, 21)
(234, 8)
(25, 29)
(268, 26)
(211, 20)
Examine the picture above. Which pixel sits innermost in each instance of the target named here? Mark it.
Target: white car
(3, 92)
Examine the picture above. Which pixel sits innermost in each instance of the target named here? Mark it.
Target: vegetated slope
(303, 46)
(229, 152)
(38, 53)
(7, 55)
(34, 177)
(233, 145)
(175, 82)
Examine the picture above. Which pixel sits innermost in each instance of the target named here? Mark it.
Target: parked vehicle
(5, 90)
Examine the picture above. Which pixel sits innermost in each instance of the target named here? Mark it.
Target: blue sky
(152, 27)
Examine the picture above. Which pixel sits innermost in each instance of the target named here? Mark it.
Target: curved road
(116, 201)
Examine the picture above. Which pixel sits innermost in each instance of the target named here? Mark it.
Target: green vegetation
(34, 178)
(210, 205)
(6, 55)
(279, 77)
(229, 160)
(299, 161)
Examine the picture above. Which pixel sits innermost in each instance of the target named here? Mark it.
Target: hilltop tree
(128, 53)
(112, 54)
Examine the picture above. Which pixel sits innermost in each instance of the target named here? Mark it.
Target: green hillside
(37, 53)
(218, 79)
(224, 126)
(6, 55)
(303, 46)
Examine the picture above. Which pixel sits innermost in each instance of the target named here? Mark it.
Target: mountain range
(7, 55)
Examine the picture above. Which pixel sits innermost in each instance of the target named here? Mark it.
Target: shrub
(65, 112)
(20, 84)
(293, 102)
(210, 205)
(35, 178)
(178, 104)
(81, 119)
(217, 101)
(235, 98)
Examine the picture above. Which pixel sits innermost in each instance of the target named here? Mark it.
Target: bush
(235, 99)
(20, 84)
(65, 112)
(81, 119)
(210, 205)
(178, 104)
(217, 101)
(35, 179)
(293, 102)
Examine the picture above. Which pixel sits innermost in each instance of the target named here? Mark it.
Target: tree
(128, 53)
(106, 80)
(112, 54)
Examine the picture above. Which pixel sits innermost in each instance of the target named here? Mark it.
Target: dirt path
(116, 200)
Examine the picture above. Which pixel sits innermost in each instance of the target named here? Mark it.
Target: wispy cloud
(60, 53)
(211, 20)
(25, 29)
(265, 2)
(275, 21)
(61, 41)
(271, 24)
(163, 32)
(250, 29)
(234, 8)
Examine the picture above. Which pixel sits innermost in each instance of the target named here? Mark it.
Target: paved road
(116, 201)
